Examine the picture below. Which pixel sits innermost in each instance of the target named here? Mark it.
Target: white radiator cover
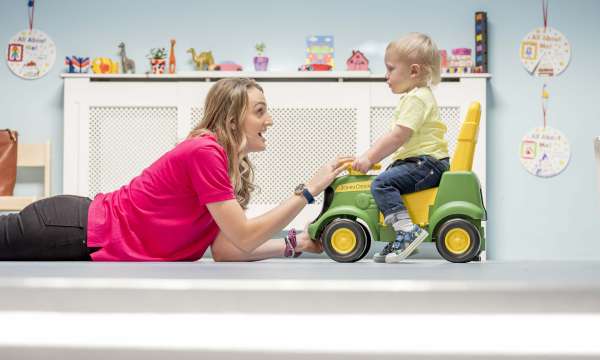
(116, 125)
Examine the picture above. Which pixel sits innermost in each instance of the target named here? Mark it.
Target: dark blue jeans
(404, 177)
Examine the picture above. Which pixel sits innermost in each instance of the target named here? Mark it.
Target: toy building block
(481, 42)
(460, 61)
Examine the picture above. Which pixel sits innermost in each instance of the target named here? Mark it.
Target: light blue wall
(530, 218)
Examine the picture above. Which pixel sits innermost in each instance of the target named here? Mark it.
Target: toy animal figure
(127, 64)
(204, 60)
(172, 57)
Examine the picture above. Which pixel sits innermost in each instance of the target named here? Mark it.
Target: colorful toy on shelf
(158, 60)
(261, 63)
(481, 43)
(228, 66)
(444, 60)
(460, 61)
(127, 65)
(357, 62)
(172, 62)
(104, 65)
(315, 67)
(77, 65)
(319, 50)
(452, 213)
(204, 60)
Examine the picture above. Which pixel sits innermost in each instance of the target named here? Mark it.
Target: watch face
(298, 189)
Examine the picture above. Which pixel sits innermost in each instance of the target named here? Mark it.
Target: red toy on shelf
(315, 67)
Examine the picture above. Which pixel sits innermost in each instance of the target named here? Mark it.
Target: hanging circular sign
(545, 52)
(31, 54)
(545, 152)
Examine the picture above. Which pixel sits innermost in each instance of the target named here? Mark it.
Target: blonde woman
(190, 199)
(416, 140)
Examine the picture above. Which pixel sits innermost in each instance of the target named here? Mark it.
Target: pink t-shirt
(161, 215)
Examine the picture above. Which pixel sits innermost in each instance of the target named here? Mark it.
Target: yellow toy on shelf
(204, 60)
(103, 65)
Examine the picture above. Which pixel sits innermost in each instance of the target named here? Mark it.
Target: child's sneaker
(390, 247)
(416, 238)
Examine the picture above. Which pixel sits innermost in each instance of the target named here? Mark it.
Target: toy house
(357, 62)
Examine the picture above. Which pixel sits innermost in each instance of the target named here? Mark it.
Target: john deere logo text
(357, 186)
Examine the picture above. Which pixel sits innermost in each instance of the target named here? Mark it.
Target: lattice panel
(300, 141)
(196, 116)
(125, 140)
(381, 117)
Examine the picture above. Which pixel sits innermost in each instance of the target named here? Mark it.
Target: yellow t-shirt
(418, 111)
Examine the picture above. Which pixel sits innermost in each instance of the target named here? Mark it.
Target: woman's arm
(224, 250)
(248, 234)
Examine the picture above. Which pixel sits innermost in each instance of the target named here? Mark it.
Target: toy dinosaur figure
(127, 64)
(204, 60)
(172, 57)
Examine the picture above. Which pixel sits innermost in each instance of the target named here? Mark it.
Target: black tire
(345, 240)
(458, 241)
(368, 247)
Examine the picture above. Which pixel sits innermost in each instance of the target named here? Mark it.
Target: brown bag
(8, 161)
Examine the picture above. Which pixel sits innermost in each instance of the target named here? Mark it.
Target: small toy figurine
(158, 60)
(77, 64)
(357, 61)
(228, 66)
(444, 60)
(172, 58)
(204, 61)
(127, 64)
(315, 67)
(261, 63)
(103, 65)
(460, 61)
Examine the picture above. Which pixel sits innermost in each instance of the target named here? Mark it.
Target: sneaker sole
(408, 250)
(378, 258)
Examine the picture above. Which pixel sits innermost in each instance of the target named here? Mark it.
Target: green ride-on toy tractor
(452, 213)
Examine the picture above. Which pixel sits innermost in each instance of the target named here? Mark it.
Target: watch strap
(308, 196)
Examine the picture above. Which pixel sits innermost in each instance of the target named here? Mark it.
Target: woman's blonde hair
(225, 109)
(417, 48)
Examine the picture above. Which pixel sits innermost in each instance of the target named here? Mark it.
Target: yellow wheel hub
(457, 241)
(343, 241)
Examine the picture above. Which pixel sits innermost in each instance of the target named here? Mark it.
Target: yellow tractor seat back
(418, 203)
(467, 139)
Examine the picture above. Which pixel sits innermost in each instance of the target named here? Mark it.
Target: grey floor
(346, 310)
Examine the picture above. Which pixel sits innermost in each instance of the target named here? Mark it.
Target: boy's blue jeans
(404, 177)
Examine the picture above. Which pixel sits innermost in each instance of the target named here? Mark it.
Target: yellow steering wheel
(352, 171)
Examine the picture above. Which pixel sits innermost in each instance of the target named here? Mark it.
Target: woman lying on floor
(191, 198)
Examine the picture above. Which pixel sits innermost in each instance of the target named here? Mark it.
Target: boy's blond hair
(418, 48)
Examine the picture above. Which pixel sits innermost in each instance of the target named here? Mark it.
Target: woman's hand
(306, 244)
(327, 173)
(362, 164)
